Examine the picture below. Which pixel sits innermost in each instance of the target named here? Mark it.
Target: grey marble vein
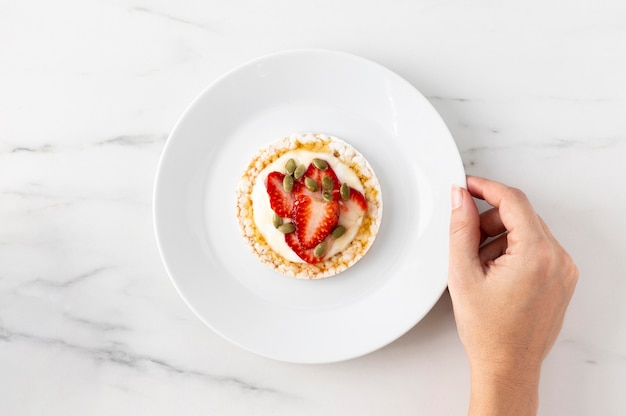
(597, 143)
(173, 18)
(45, 148)
(96, 325)
(442, 98)
(136, 140)
(581, 100)
(66, 283)
(116, 355)
(130, 140)
(27, 194)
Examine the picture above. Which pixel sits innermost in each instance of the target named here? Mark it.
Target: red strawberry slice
(281, 201)
(314, 219)
(353, 208)
(306, 254)
(318, 175)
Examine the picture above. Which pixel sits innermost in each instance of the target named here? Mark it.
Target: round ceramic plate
(360, 310)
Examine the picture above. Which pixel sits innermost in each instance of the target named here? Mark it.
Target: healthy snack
(309, 206)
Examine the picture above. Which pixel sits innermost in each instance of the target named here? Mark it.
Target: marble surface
(534, 93)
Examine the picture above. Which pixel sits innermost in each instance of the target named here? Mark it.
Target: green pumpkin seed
(299, 172)
(327, 183)
(320, 249)
(338, 231)
(320, 164)
(277, 220)
(310, 184)
(327, 196)
(290, 166)
(287, 228)
(344, 191)
(288, 183)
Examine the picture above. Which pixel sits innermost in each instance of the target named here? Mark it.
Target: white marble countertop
(534, 93)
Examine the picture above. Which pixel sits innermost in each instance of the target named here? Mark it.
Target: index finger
(516, 212)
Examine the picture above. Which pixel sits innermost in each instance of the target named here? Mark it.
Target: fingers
(491, 224)
(494, 249)
(464, 237)
(515, 211)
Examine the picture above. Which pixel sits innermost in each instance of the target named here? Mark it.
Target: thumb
(464, 236)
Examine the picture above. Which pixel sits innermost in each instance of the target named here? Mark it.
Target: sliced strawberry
(306, 254)
(280, 201)
(314, 219)
(318, 175)
(313, 213)
(353, 208)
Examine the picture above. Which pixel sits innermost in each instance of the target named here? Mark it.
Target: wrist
(504, 389)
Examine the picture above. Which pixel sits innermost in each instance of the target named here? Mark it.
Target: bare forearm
(504, 395)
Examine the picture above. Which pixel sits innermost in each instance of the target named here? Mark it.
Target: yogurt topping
(262, 211)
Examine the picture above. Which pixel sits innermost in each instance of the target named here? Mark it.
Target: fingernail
(456, 197)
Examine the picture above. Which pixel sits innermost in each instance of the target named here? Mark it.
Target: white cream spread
(262, 211)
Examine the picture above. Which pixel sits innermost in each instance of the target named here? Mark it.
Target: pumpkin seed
(288, 183)
(344, 191)
(299, 172)
(310, 184)
(287, 228)
(277, 220)
(327, 183)
(320, 164)
(338, 231)
(320, 249)
(290, 167)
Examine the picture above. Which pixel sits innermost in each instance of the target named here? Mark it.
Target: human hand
(509, 295)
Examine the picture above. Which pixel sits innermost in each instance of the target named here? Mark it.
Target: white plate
(342, 317)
